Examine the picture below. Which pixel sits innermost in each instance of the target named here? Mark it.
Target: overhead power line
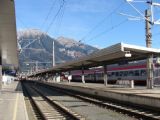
(61, 6)
(100, 23)
(54, 18)
(20, 20)
(59, 20)
(108, 30)
(49, 13)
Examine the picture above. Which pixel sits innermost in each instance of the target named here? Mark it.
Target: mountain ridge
(36, 45)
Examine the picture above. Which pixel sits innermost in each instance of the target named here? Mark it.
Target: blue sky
(77, 19)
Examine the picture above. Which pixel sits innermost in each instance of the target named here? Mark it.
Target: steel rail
(131, 110)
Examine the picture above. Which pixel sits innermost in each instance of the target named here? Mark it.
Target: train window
(125, 73)
(99, 74)
(87, 75)
(136, 73)
(109, 74)
(113, 73)
(143, 72)
(102, 74)
(131, 73)
(156, 72)
(121, 73)
(117, 73)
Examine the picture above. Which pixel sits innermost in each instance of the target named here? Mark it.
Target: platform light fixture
(128, 54)
(158, 60)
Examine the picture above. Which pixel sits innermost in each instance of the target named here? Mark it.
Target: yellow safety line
(15, 107)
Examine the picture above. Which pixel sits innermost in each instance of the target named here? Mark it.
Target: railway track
(136, 111)
(131, 110)
(46, 109)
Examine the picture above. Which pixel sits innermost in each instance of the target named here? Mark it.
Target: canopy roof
(110, 55)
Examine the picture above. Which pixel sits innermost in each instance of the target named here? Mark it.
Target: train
(136, 71)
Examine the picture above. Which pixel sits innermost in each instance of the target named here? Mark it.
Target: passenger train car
(136, 71)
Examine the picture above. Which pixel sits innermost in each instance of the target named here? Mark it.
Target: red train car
(136, 71)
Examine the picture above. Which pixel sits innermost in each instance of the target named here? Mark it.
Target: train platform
(12, 104)
(138, 95)
(138, 90)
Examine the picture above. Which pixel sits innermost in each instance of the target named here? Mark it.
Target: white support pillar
(69, 77)
(150, 72)
(131, 83)
(58, 78)
(55, 77)
(83, 78)
(105, 75)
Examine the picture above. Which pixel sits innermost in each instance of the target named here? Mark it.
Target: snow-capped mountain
(36, 49)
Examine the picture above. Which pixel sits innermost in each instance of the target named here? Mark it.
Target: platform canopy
(117, 53)
(8, 37)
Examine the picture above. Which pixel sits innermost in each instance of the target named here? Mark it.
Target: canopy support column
(105, 75)
(69, 77)
(150, 71)
(59, 77)
(83, 79)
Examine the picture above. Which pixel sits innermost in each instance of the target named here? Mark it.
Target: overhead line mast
(150, 21)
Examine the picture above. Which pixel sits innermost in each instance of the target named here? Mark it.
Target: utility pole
(148, 29)
(150, 21)
(149, 45)
(53, 54)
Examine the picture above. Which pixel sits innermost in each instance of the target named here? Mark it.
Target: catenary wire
(54, 18)
(108, 30)
(49, 13)
(100, 23)
(59, 20)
